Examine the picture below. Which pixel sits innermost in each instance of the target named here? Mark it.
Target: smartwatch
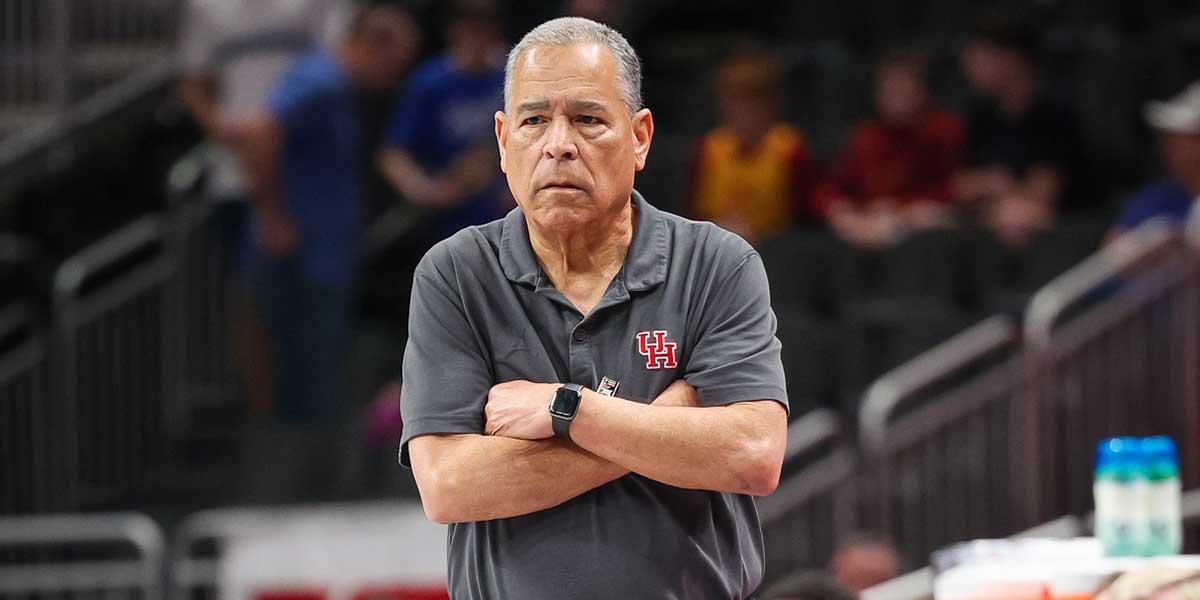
(563, 408)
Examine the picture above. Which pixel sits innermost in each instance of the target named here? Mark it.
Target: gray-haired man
(592, 387)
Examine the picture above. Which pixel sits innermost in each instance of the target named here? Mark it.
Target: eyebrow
(533, 106)
(577, 106)
(574, 106)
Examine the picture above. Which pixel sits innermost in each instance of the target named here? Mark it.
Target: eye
(588, 120)
(534, 120)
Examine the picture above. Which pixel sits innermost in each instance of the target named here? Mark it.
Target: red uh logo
(659, 353)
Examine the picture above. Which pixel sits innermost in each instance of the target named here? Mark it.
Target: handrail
(1125, 254)
(185, 174)
(52, 138)
(74, 271)
(890, 391)
(808, 432)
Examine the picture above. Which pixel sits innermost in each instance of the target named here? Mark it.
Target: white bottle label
(1163, 516)
(1121, 516)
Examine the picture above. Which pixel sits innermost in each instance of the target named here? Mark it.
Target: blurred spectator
(897, 173)
(600, 11)
(1024, 161)
(440, 149)
(232, 53)
(1178, 124)
(301, 157)
(806, 586)
(753, 174)
(864, 560)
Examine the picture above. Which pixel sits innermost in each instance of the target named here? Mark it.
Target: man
(896, 174)
(438, 151)
(232, 53)
(753, 174)
(592, 387)
(1024, 162)
(1178, 124)
(301, 157)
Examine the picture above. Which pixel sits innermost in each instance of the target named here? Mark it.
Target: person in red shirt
(896, 174)
(753, 174)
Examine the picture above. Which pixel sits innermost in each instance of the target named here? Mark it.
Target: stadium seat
(882, 334)
(930, 265)
(810, 361)
(807, 270)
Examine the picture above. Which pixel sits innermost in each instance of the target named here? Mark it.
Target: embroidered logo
(659, 353)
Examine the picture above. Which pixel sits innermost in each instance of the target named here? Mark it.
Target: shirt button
(580, 335)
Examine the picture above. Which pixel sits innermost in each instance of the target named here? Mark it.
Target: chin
(562, 217)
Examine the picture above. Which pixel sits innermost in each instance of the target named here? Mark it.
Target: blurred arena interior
(947, 383)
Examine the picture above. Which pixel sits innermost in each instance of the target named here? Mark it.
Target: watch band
(562, 427)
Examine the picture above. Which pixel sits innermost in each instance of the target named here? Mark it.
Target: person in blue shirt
(1178, 124)
(301, 156)
(439, 150)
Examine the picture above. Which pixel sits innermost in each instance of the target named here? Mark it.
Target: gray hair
(567, 31)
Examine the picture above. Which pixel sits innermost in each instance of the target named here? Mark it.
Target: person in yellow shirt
(753, 174)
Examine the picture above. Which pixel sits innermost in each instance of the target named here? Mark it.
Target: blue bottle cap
(1160, 457)
(1118, 456)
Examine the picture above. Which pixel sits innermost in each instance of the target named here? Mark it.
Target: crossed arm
(518, 468)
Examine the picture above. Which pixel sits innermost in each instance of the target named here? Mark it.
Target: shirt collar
(645, 262)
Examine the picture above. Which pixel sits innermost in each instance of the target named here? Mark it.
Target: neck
(586, 254)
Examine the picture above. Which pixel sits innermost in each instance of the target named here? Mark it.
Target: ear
(501, 137)
(643, 131)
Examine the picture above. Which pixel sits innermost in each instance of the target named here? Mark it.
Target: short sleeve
(737, 356)
(446, 375)
(298, 101)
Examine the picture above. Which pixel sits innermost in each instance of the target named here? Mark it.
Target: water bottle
(1164, 524)
(1120, 497)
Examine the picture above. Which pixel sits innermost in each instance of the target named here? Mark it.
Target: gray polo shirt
(691, 301)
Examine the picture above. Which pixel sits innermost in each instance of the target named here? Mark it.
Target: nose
(560, 141)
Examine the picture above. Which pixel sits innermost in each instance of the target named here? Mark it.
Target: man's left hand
(520, 409)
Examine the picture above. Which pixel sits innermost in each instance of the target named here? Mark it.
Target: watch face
(566, 402)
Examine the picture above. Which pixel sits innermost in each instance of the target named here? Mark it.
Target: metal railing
(1112, 350)
(202, 294)
(115, 357)
(28, 419)
(55, 52)
(81, 556)
(984, 435)
(939, 462)
(813, 508)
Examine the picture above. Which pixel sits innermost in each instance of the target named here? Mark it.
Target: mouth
(561, 186)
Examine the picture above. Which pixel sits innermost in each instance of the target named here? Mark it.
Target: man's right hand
(679, 394)
(277, 234)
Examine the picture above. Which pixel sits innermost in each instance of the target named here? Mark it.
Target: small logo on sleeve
(659, 353)
(608, 386)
